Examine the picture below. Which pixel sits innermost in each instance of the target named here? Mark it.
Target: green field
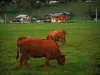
(82, 48)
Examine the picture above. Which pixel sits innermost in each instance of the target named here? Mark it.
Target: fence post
(96, 14)
(5, 18)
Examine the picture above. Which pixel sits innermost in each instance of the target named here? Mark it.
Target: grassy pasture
(83, 44)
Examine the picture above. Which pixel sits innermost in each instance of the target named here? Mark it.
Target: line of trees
(30, 4)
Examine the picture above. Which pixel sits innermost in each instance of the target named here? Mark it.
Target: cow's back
(38, 47)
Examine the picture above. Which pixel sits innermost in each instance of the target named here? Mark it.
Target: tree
(30, 3)
(4, 3)
(98, 5)
(63, 1)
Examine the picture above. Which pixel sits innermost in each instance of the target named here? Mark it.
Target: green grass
(83, 42)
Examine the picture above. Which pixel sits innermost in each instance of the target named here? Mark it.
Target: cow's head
(61, 60)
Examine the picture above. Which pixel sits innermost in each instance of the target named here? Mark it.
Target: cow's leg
(21, 60)
(26, 63)
(46, 63)
(25, 60)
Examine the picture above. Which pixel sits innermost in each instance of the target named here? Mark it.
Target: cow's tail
(65, 33)
(17, 53)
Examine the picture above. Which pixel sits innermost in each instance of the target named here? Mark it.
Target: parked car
(93, 16)
(36, 20)
(47, 20)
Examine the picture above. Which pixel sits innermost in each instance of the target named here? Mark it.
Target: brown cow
(57, 35)
(36, 48)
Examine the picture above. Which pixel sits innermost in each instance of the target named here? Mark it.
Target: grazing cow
(36, 48)
(57, 35)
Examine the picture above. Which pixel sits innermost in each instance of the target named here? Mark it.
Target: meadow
(82, 49)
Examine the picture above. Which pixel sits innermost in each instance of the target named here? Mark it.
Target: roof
(20, 16)
(58, 14)
(67, 13)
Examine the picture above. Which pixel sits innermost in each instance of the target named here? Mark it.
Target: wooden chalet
(60, 17)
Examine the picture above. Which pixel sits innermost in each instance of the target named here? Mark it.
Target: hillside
(78, 9)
